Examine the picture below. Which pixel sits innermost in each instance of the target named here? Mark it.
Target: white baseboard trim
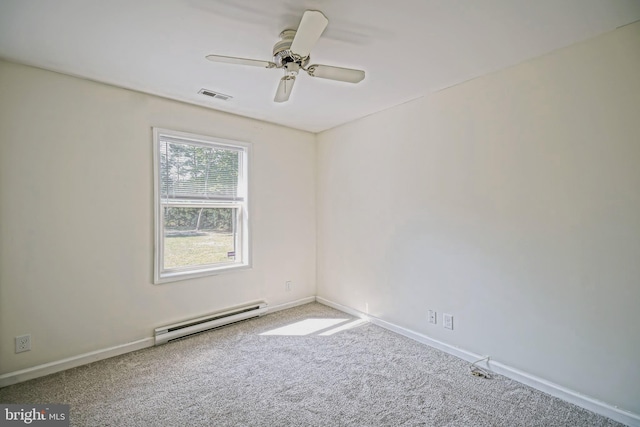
(617, 414)
(279, 307)
(86, 358)
(72, 362)
(597, 406)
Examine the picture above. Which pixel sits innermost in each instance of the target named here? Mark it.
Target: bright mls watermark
(34, 415)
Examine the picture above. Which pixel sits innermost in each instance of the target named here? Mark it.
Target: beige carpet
(307, 366)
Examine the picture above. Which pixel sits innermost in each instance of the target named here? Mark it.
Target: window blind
(191, 172)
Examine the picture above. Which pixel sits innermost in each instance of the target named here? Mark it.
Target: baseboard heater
(215, 320)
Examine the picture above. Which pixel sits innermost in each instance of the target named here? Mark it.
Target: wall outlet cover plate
(432, 316)
(447, 321)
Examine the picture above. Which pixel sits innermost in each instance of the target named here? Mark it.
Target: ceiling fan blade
(311, 26)
(240, 61)
(336, 73)
(284, 88)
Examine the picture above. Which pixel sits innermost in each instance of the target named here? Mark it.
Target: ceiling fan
(291, 54)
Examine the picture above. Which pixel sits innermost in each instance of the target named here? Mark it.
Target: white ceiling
(408, 48)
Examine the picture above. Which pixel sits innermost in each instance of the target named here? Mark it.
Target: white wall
(512, 202)
(76, 215)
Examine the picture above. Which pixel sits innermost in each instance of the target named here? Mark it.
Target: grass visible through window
(201, 248)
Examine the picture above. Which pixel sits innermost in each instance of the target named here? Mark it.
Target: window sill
(175, 276)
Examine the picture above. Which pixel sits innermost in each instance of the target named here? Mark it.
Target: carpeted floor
(299, 367)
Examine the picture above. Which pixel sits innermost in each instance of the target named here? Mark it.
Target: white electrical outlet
(433, 317)
(447, 321)
(287, 285)
(23, 343)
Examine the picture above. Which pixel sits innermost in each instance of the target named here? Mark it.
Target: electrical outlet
(447, 321)
(287, 285)
(433, 317)
(23, 343)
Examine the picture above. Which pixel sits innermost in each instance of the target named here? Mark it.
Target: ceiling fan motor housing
(282, 54)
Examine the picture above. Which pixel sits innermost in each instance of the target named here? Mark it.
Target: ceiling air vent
(215, 95)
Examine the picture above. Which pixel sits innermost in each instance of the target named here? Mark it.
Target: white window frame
(243, 249)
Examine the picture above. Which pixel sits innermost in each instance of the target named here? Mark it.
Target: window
(200, 205)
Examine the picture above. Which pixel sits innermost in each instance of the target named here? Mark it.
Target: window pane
(201, 190)
(199, 236)
(192, 172)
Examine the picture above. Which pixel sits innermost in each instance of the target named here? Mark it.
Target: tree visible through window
(201, 198)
